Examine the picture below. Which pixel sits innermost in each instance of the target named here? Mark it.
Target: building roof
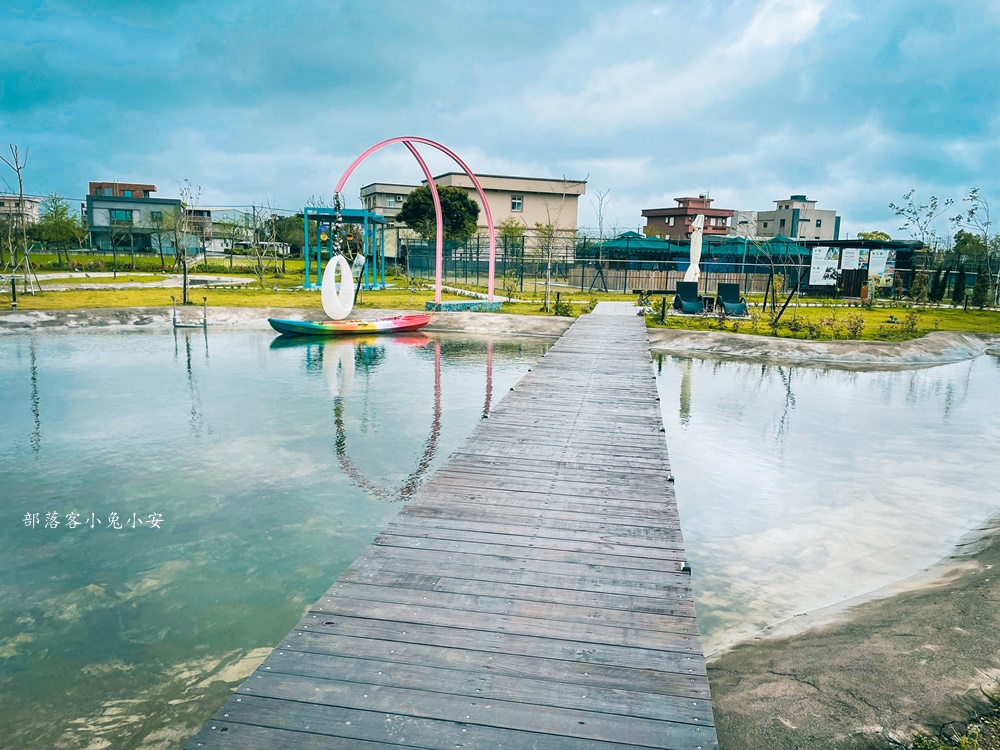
(510, 182)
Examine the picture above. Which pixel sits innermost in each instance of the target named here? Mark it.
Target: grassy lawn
(122, 279)
(829, 322)
(277, 293)
(816, 318)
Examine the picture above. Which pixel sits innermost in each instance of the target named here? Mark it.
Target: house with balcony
(127, 216)
(27, 207)
(674, 223)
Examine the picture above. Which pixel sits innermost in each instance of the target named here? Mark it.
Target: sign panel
(823, 269)
(881, 267)
(851, 259)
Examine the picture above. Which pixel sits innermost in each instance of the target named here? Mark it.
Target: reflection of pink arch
(408, 141)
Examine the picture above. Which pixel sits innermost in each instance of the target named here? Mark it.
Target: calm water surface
(803, 487)
(271, 466)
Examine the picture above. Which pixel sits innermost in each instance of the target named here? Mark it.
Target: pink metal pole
(464, 166)
(438, 217)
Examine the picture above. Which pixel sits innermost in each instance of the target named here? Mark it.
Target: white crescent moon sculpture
(337, 304)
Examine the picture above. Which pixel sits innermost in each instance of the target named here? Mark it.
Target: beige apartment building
(526, 199)
(385, 198)
(796, 217)
(529, 200)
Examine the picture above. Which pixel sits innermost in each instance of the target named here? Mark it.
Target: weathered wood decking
(529, 596)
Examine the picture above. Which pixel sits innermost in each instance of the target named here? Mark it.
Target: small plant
(509, 284)
(815, 329)
(795, 325)
(910, 322)
(754, 320)
(736, 326)
(562, 308)
(855, 325)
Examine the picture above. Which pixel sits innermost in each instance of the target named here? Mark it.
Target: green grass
(280, 293)
(122, 279)
(830, 322)
(827, 320)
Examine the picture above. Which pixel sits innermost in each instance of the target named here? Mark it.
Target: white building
(13, 205)
(796, 217)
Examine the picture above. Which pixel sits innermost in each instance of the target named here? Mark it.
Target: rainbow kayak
(398, 324)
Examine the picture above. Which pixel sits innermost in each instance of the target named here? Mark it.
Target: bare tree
(919, 219)
(18, 231)
(976, 220)
(178, 224)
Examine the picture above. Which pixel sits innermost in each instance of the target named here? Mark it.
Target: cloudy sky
(851, 102)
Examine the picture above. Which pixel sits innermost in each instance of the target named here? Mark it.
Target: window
(120, 216)
(765, 225)
(390, 202)
(517, 203)
(126, 193)
(107, 191)
(819, 223)
(781, 223)
(670, 221)
(145, 193)
(157, 215)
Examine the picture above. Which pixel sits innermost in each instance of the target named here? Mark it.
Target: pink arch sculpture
(408, 141)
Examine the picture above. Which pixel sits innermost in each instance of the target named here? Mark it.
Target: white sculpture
(694, 270)
(337, 304)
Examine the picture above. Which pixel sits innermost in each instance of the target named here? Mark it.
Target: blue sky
(852, 103)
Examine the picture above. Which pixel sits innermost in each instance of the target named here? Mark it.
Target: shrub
(855, 325)
(981, 290)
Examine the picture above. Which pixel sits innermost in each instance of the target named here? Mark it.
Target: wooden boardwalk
(529, 596)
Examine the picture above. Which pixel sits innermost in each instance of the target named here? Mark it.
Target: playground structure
(372, 243)
(409, 141)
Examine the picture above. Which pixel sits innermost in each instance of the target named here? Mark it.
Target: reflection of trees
(36, 412)
(196, 416)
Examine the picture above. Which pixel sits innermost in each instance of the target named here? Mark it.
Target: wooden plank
(255, 721)
(488, 685)
(676, 587)
(454, 602)
(679, 604)
(549, 667)
(576, 724)
(674, 633)
(684, 657)
(663, 564)
(531, 594)
(524, 539)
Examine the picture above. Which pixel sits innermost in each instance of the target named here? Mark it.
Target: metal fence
(523, 264)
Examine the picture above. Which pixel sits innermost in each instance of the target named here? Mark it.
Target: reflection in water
(36, 412)
(339, 359)
(196, 413)
(802, 487)
(685, 391)
(489, 379)
(132, 638)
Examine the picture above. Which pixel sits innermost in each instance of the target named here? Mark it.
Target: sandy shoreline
(913, 655)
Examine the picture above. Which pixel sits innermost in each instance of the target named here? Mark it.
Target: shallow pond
(221, 483)
(802, 487)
